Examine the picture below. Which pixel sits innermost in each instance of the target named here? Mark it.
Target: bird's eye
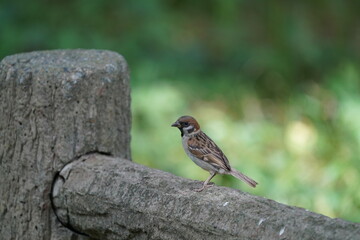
(186, 124)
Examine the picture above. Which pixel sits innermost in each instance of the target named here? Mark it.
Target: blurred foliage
(274, 83)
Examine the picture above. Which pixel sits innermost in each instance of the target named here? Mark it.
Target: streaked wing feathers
(202, 147)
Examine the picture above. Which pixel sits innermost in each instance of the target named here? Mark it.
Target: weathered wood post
(54, 107)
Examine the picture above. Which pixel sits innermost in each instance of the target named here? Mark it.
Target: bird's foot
(204, 187)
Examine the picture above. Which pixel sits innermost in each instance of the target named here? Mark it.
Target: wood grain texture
(112, 198)
(54, 106)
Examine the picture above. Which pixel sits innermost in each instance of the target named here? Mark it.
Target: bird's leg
(206, 183)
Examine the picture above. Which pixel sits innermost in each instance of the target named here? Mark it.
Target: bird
(204, 152)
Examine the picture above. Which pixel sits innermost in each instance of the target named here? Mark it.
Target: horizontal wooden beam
(112, 198)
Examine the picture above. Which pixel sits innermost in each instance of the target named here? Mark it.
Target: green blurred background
(274, 83)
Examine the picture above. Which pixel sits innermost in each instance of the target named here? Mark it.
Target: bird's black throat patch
(182, 132)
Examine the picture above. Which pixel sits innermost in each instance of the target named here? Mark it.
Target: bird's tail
(243, 177)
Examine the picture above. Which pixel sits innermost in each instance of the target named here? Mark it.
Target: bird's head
(187, 125)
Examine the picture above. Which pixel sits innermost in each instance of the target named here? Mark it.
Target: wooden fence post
(55, 106)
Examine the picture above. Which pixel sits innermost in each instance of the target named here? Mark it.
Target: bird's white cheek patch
(189, 129)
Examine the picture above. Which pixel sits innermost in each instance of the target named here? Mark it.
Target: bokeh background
(275, 83)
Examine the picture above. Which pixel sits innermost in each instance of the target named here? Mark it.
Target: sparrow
(205, 153)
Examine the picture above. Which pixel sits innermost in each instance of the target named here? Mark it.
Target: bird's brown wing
(202, 147)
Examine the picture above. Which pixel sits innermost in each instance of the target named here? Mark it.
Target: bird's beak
(176, 124)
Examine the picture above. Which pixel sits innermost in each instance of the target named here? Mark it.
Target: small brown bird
(205, 153)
